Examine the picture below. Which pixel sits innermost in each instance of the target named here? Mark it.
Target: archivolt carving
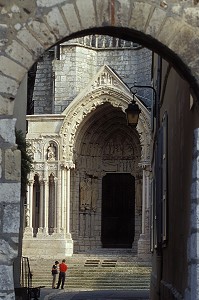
(77, 111)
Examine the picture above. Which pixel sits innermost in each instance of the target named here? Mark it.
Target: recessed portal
(118, 210)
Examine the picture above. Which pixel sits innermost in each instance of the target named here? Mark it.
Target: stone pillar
(10, 178)
(28, 231)
(46, 205)
(143, 200)
(68, 202)
(41, 205)
(144, 240)
(192, 291)
(56, 199)
(58, 202)
(63, 200)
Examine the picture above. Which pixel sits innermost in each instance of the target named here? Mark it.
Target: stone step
(96, 273)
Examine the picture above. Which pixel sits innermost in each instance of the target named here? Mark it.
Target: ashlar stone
(7, 130)
(9, 192)
(12, 164)
(11, 217)
(11, 68)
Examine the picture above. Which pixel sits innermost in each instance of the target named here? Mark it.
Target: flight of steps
(96, 272)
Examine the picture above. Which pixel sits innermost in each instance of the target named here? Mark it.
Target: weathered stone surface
(11, 68)
(13, 165)
(102, 12)
(71, 17)
(44, 35)
(155, 22)
(9, 192)
(7, 252)
(49, 3)
(31, 43)
(84, 8)
(7, 130)
(6, 106)
(11, 218)
(8, 85)
(56, 22)
(6, 278)
(19, 54)
(139, 15)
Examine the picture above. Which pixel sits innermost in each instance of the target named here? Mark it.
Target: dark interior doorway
(118, 210)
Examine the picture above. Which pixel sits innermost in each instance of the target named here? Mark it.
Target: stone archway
(29, 28)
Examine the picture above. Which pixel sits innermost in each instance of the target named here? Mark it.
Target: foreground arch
(29, 29)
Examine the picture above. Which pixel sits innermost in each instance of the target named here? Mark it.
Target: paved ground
(49, 294)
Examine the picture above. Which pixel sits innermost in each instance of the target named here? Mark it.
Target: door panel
(118, 210)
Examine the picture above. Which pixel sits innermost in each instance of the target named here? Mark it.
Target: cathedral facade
(91, 184)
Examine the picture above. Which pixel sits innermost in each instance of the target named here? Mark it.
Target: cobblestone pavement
(49, 294)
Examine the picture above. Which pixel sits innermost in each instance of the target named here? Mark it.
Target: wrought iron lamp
(132, 112)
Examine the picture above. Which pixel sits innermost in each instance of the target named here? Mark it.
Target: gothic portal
(90, 188)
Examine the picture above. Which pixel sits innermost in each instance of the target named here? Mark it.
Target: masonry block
(8, 85)
(11, 218)
(13, 165)
(139, 16)
(12, 69)
(84, 7)
(43, 33)
(27, 38)
(7, 130)
(18, 53)
(56, 22)
(6, 278)
(156, 22)
(71, 17)
(6, 106)
(10, 192)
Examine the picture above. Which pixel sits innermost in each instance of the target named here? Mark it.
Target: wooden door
(118, 210)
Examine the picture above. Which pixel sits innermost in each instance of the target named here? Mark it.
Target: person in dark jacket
(54, 273)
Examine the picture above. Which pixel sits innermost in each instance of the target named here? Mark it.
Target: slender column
(41, 205)
(58, 210)
(55, 205)
(143, 201)
(63, 197)
(68, 202)
(30, 206)
(46, 194)
(27, 210)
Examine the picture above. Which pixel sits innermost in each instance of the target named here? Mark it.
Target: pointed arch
(76, 112)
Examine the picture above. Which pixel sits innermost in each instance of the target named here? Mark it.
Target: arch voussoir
(155, 22)
(42, 33)
(139, 16)
(56, 22)
(83, 8)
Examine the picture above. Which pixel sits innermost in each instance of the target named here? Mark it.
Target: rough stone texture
(9, 192)
(193, 250)
(131, 64)
(7, 130)
(12, 165)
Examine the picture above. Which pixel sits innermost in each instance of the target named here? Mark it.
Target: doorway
(118, 210)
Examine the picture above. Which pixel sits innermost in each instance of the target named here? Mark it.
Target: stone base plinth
(144, 252)
(47, 247)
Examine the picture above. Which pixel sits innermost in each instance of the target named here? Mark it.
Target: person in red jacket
(62, 274)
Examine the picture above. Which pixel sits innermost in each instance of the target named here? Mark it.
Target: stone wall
(77, 66)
